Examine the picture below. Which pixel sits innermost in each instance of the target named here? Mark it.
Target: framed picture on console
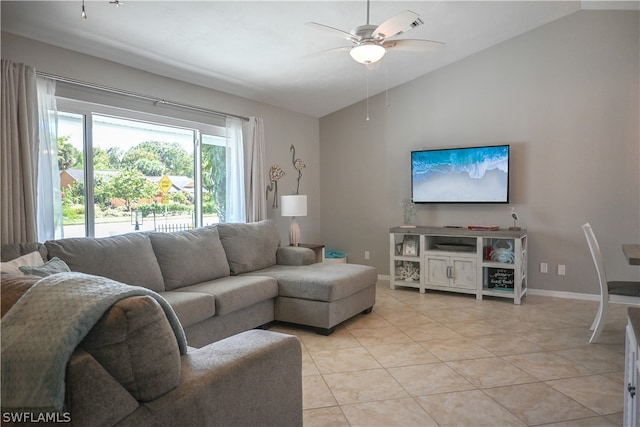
(410, 245)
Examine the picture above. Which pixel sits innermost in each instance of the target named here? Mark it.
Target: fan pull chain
(386, 84)
(367, 94)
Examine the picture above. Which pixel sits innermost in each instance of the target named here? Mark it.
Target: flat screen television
(461, 175)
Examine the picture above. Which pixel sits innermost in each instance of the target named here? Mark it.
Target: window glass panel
(71, 165)
(129, 159)
(214, 178)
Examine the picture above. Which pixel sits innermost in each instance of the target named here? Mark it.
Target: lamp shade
(367, 53)
(293, 205)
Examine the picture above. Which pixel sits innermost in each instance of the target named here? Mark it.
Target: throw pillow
(53, 266)
(33, 258)
(250, 247)
(126, 258)
(189, 257)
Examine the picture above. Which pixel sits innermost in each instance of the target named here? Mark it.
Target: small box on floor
(333, 256)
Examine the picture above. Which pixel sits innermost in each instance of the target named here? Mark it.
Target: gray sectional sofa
(225, 279)
(221, 281)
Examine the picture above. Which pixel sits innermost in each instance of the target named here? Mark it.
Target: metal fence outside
(168, 228)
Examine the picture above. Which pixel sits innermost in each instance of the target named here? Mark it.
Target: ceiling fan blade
(334, 31)
(413, 45)
(397, 25)
(327, 51)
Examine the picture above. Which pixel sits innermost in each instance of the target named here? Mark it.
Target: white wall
(565, 96)
(282, 127)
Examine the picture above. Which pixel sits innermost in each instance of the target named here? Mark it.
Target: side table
(318, 249)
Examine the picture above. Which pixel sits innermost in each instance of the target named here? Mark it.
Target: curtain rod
(155, 101)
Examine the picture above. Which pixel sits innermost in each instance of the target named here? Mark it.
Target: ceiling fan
(372, 41)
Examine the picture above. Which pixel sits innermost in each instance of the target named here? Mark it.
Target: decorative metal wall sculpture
(298, 164)
(275, 173)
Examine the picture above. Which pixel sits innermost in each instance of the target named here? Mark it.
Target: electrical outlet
(544, 267)
(561, 270)
(366, 254)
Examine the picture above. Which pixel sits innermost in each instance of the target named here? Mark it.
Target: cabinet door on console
(451, 272)
(464, 273)
(438, 270)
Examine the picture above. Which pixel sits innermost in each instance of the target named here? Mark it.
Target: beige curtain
(18, 153)
(255, 170)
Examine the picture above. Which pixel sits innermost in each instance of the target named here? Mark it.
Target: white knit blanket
(42, 329)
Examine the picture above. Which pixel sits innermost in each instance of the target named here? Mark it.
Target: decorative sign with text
(500, 278)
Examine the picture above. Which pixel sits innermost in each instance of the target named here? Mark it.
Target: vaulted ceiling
(263, 50)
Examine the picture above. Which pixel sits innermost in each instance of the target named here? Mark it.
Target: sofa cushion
(251, 246)
(134, 342)
(320, 281)
(236, 292)
(127, 258)
(14, 250)
(13, 266)
(190, 257)
(191, 307)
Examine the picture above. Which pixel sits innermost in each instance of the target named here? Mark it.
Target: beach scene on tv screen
(461, 175)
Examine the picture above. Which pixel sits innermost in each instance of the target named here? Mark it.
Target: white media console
(484, 263)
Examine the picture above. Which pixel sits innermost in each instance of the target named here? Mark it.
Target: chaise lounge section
(322, 295)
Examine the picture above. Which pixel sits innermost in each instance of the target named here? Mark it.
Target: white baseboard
(562, 294)
(618, 299)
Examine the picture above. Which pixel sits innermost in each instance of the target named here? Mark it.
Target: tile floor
(444, 359)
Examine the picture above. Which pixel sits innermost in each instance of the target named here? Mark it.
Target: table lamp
(293, 206)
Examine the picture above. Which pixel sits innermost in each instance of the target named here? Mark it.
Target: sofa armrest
(295, 255)
(93, 396)
(253, 378)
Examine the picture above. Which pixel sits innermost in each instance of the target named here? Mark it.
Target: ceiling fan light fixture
(367, 53)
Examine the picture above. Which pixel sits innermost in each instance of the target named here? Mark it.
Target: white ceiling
(263, 50)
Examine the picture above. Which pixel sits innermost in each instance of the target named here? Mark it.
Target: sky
(124, 134)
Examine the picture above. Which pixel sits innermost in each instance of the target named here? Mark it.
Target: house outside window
(141, 172)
